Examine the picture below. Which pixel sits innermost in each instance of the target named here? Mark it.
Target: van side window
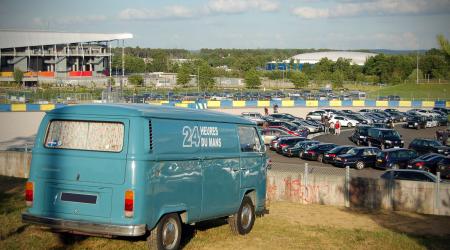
(85, 135)
(249, 140)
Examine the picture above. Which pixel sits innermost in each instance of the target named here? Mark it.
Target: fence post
(437, 192)
(391, 190)
(305, 176)
(347, 186)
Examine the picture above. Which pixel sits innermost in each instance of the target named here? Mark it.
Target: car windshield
(435, 143)
(390, 133)
(380, 154)
(353, 151)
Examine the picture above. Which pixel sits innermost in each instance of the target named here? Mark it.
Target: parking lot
(285, 164)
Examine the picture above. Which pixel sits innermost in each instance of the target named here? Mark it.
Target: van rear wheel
(167, 234)
(242, 222)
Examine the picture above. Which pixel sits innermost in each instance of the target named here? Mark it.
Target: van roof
(150, 110)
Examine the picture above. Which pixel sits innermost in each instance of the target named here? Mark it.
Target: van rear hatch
(83, 151)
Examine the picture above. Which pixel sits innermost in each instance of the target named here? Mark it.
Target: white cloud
(39, 21)
(173, 11)
(374, 8)
(239, 6)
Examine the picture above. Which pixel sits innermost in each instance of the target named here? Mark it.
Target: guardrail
(253, 104)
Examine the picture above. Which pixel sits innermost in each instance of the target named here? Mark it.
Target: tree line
(250, 64)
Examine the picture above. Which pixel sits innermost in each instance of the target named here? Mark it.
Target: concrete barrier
(374, 194)
(335, 190)
(16, 164)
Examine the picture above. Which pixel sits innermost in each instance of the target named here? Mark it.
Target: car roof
(150, 110)
(396, 149)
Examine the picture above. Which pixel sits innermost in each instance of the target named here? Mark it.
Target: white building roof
(358, 58)
(14, 38)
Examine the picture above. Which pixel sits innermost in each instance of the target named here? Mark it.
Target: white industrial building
(358, 58)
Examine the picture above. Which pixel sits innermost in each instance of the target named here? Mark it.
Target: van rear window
(85, 135)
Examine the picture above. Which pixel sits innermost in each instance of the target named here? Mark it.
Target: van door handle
(235, 169)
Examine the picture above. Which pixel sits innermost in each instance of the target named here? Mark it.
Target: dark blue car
(358, 158)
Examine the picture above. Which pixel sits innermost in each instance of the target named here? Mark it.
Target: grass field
(412, 91)
(287, 226)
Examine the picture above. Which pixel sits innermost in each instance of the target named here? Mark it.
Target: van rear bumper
(84, 226)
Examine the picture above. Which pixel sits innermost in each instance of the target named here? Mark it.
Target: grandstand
(56, 56)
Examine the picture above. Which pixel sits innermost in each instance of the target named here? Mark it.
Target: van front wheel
(167, 234)
(242, 222)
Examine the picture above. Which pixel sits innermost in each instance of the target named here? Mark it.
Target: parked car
(445, 110)
(330, 155)
(408, 175)
(359, 135)
(384, 138)
(269, 134)
(359, 158)
(315, 115)
(416, 121)
(305, 124)
(374, 118)
(274, 143)
(287, 142)
(423, 146)
(428, 162)
(284, 116)
(395, 158)
(344, 121)
(444, 167)
(297, 148)
(361, 119)
(254, 116)
(317, 152)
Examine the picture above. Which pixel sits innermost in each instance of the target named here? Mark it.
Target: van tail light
(29, 193)
(310, 152)
(129, 203)
(283, 145)
(331, 155)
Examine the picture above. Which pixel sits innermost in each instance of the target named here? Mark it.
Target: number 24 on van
(203, 137)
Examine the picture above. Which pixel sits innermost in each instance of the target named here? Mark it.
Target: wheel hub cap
(246, 216)
(169, 234)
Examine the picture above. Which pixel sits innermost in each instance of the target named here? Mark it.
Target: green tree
(444, 44)
(252, 80)
(184, 75)
(206, 76)
(337, 78)
(18, 76)
(299, 79)
(136, 80)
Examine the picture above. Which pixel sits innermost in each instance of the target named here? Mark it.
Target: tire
(349, 125)
(382, 146)
(359, 165)
(358, 142)
(369, 144)
(166, 234)
(395, 166)
(242, 222)
(320, 158)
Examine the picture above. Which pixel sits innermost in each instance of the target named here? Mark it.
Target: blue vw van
(133, 170)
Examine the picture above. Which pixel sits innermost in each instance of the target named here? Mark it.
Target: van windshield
(85, 135)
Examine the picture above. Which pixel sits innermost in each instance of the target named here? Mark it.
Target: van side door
(251, 159)
(220, 169)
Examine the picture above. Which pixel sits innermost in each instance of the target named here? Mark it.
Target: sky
(252, 24)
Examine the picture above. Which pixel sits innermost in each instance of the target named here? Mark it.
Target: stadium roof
(358, 58)
(15, 39)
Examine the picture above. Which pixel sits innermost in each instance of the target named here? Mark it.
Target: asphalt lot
(282, 163)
